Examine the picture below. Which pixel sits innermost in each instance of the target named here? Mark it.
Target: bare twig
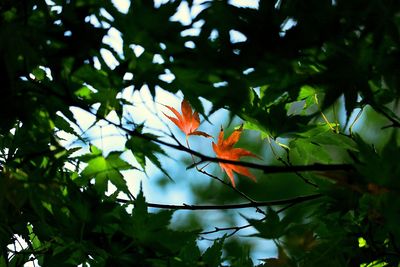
(234, 229)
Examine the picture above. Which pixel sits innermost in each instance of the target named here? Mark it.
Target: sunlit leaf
(188, 121)
(224, 150)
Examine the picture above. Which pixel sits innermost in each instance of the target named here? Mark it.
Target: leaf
(143, 149)
(64, 125)
(270, 228)
(88, 74)
(140, 209)
(224, 150)
(309, 152)
(189, 255)
(212, 256)
(39, 73)
(281, 261)
(188, 121)
(3, 261)
(152, 229)
(105, 169)
(36, 244)
(18, 259)
(334, 139)
(306, 92)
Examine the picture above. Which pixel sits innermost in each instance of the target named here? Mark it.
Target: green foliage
(143, 150)
(319, 82)
(104, 169)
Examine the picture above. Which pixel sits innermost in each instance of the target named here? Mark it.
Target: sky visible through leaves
(137, 111)
(169, 88)
(150, 111)
(108, 138)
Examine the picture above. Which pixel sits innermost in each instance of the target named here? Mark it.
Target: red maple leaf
(188, 121)
(224, 149)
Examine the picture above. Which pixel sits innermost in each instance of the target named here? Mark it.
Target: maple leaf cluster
(188, 122)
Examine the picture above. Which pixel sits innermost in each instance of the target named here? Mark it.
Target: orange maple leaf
(188, 121)
(224, 149)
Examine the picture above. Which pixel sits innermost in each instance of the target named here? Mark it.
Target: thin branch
(281, 169)
(395, 122)
(236, 229)
(288, 163)
(355, 120)
(252, 201)
(287, 207)
(204, 158)
(229, 206)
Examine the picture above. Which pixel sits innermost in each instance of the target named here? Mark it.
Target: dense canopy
(310, 87)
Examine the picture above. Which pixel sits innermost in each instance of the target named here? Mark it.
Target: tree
(314, 85)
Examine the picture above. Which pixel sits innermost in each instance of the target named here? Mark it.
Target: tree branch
(203, 158)
(252, 201)
(236, 229)
(228, 206)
